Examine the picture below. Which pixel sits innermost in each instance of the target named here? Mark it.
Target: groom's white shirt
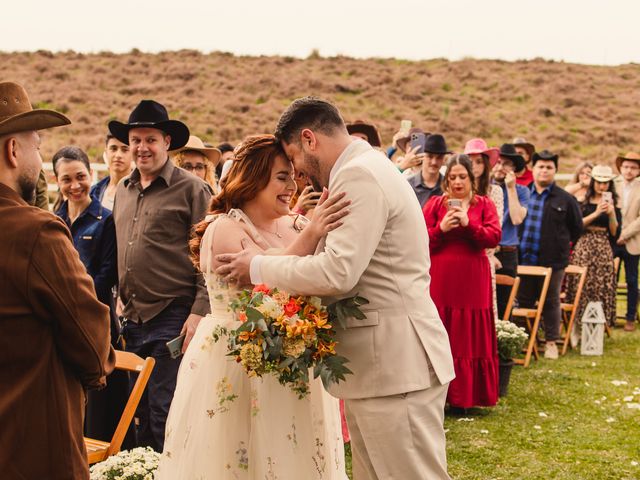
(381, 253)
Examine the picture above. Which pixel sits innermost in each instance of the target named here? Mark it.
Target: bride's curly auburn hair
(249, 174)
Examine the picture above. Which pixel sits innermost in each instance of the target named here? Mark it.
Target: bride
(222, 424)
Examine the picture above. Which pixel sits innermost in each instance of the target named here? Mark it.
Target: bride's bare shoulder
(228, 236)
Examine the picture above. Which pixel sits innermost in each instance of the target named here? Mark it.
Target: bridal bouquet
(285, 336)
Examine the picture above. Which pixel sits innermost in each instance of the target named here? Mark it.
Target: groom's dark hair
(308, 112)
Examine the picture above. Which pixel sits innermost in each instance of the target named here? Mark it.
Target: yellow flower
(293, 347)
(251, 356)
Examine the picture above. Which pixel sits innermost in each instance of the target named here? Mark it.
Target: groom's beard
(312, 170)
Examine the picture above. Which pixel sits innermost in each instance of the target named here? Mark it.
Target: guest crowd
(486, 209)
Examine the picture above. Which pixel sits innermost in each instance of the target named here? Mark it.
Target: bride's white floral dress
(224, 425)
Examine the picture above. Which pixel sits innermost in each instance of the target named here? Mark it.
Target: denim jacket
(94, 236)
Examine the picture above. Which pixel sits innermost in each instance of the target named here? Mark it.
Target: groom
(399, 354)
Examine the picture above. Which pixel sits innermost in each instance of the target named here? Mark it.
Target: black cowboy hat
(545, 155)
(436, 143)
(367, 129)
(508, 151)
(150, 114)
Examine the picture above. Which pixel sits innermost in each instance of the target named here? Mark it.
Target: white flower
(635, 406)
(586, 384)
(543, 415)
(634, 463)
(610, 420)
(315, 302)
(465, 419)
(628, 398)
(270, 308)
(484, 431)
(537, 427)
(617, 383)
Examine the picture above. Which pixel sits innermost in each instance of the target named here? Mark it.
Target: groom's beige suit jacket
(380, 253)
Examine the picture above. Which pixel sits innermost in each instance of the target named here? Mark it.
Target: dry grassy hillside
(588, 112)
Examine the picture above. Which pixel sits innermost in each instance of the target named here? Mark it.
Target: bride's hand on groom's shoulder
(328, 214)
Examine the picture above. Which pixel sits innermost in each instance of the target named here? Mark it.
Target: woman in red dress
(461, 226)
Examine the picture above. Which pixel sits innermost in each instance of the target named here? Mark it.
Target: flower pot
(505, 367)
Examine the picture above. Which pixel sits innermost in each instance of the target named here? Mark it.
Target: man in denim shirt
(516, 200)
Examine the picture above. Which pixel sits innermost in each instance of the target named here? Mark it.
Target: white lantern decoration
(593, 321)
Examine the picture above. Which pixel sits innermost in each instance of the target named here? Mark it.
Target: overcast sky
(582, 31)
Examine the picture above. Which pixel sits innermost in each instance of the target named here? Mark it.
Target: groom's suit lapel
(356, 148)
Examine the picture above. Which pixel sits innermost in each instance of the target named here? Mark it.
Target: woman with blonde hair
(200, 160)
(580, 181)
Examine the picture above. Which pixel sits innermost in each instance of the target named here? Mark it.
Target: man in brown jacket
(54, 333)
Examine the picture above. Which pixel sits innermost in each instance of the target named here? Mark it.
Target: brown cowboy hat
(196, 145)
(632, 156)
(521, 142)
(402, 141)
(17, 115)
(367, 129)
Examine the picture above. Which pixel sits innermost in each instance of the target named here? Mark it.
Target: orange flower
(321, 320)
(325, 349)
(242, 317)
(246, 336)
(261, 288)
(291, 308)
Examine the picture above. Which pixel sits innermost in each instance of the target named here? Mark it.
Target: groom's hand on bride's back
(235, 266)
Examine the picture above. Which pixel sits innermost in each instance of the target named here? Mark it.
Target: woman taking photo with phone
(94, 237)
(461, 225)
(594, 249)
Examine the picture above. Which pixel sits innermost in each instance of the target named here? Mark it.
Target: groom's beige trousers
(399, 437)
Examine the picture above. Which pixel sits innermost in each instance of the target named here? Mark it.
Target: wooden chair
(514, 283)
(532, 316)
(569, 310)
(98, 450)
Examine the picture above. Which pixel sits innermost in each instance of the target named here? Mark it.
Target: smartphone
(175, 346)
(607, 197)
(405, 125)
(418, 140)
(454, 202)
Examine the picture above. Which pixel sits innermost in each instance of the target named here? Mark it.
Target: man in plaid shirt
(553, 222)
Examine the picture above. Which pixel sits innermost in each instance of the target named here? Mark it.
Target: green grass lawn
(562, 420)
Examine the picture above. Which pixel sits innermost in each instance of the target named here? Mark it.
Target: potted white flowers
(136, 464)
(511, 340)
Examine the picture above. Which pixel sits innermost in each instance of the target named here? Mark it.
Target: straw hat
(602, 173)
(634, 157)
(196, 145)
(17, 115)
(521, 142)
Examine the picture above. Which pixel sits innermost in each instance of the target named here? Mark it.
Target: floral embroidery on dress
(271, 475)
(224, 391)
(292, 436)
(319, 459)
(255, 408)
(193, 365)
(243, 457)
